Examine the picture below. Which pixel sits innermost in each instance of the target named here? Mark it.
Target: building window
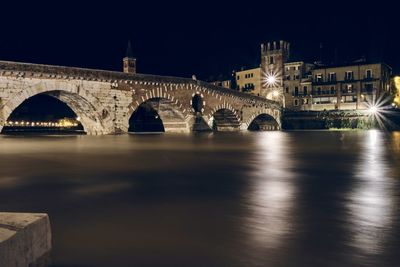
(332, 77)
(296, 91)
(349, 88)
(238, 77)
(288, 77)
(287, 90)
(349, 76)
(271, 60)
(319, 90)
(318, 77)
(296, 102)
(332, 90)
(296, 77)
(305, 90)
(369, 87)
(368, 74)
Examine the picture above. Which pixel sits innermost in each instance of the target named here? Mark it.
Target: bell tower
(129, 61)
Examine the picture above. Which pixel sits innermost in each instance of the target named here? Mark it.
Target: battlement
(275, 46)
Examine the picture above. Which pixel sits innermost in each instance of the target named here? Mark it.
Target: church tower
(129, 61)
(274, 55)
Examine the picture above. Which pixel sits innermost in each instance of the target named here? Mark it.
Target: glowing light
(377, 111)
(62, 123)
(275, 93)
(373, 109)
(271, 80)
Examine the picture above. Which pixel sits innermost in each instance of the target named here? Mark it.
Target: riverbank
(347, 119)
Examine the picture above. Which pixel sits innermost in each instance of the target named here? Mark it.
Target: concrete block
(25, 240)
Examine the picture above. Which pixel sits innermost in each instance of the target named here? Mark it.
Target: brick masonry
(105, 100)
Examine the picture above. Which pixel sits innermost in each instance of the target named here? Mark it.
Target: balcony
(369, 78)
(322, 82)
(299, 95)
(368, 90)
(349, 92)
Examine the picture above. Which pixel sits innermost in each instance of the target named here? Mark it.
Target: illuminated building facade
(297, 81)
(303, 86)
(347, 87)
(396, 91)
(274, 55)
(249, 81)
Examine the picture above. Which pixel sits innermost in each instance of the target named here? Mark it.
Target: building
(274, 55)
(303, 86)
(297, 80)
(249, 81)
(346, 87)
(222, 83)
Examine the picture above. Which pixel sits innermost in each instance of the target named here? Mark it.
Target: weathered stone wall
(105, 100)
(25, 240)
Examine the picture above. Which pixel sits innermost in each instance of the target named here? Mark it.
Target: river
(312, 198)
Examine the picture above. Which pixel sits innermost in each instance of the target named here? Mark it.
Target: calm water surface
(244, 199)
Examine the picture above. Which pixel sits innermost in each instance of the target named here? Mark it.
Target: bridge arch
(265, 119)
(164, 110)
(94, 118)
(224, 118)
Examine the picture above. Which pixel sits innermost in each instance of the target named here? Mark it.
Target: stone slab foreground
(25, 239)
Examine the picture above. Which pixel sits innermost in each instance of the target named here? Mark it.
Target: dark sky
(194, 37)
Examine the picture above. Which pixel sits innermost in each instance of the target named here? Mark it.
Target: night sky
(203, 38)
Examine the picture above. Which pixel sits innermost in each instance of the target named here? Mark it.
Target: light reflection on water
(371, 205)
(239, 199)
(272, 191)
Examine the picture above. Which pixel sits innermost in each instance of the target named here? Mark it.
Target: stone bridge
(105, 100)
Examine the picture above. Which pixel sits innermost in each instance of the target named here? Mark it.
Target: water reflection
(371, 201)
(272, 191)
(247, 199)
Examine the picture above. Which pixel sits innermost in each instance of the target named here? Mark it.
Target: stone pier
(25, 239)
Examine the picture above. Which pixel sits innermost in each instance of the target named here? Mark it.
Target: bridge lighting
(78, 118)
(62, 123)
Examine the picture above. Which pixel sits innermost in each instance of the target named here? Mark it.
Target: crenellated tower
(274, 55)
